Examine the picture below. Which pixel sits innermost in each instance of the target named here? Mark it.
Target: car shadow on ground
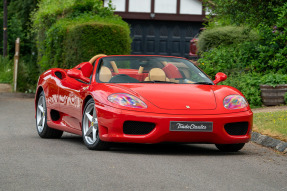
(158, 149)
(170, 149)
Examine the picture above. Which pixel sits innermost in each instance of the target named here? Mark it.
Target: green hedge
(83, 41)
(73, 33)
(70, 42)
(227, 35)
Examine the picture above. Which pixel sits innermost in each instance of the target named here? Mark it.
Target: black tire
(230, 147)
(44, 130)
(91, 142)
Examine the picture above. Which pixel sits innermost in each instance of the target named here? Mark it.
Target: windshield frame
(188, 64)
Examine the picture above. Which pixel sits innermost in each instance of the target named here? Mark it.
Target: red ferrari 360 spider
(141, 99)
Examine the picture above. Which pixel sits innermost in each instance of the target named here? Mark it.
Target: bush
(274, 79)
(28, 73)
(268, 54)
(77, 31)
(234, 58)
(227, 35)
(6, 70)
(83, 41)
(248, 84)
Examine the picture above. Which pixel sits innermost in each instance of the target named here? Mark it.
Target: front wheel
(230, 147)
(90, 130)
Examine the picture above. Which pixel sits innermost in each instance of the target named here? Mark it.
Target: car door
(72, 93)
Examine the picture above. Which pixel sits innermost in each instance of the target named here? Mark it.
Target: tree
(19, 12)
(244, 12)
(5, 34)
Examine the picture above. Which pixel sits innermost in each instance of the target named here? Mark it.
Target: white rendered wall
(165, 6)
(143, 6)
(119, 5)
(193, 7)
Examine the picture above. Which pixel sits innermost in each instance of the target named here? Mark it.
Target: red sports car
(141, 99)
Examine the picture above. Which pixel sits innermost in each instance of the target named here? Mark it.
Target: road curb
(270, 142)
(16, 95)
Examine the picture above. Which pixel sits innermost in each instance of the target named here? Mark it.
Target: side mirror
(77, 74)
(219, 77)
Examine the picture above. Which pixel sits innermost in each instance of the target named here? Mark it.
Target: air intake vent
(138, 128)
(59, 75)
(239, 128)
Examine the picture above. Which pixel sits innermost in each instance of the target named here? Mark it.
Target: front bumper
(111, 122)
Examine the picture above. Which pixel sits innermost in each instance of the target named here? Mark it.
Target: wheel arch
(39, 90)
(85, 101)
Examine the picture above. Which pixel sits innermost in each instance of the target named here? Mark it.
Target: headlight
(234, 102)
(127, 100)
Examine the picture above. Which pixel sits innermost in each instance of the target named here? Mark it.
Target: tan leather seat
(105, 74)
(156, 74)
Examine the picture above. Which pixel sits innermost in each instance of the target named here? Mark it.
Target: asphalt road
(28, 162)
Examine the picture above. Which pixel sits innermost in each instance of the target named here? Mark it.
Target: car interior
(142, 69)
(145, 71)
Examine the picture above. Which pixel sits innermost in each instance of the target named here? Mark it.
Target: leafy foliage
(248, 84)
(243, 12)
(230, 59)
(72, 31)
(110, 39)
(6, 70)
(19, 25)
(226, 35)
(249, 63)
(274, 79)
(28, 73)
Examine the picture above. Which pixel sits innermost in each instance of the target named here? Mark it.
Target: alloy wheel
(41, 110)
(90, 124)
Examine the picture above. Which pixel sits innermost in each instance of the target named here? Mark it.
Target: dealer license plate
(191, 126)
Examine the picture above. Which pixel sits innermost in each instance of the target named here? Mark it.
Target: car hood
(176, 96)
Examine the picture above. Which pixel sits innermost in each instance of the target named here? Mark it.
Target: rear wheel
(230, 147)
(43, 129)
(90, 130)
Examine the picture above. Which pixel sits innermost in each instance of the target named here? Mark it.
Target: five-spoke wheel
(90, 128)
(43, 129)
(41, 117)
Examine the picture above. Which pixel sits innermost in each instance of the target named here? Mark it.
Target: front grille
(137, 127)
(239, 128)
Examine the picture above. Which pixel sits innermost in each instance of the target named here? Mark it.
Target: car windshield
(149, 69)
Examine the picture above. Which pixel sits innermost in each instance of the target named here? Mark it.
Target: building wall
(163, 27)
(181, 10)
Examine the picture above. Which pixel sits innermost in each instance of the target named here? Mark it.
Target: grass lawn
(273, 124)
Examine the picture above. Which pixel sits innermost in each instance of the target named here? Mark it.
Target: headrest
(171, 71)
(105, 74)
(157, 74)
